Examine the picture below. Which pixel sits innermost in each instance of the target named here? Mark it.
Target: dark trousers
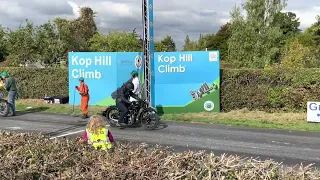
(123, 110)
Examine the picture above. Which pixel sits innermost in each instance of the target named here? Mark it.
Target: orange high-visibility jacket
(83, 89)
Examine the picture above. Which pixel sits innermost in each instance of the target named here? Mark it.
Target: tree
(31, 44)
(288, 23)
(137, 36)
(75, 34)
(289, 26)
(189, 45)
(49, 46)
(298, 56)
(115, 41)
(3, 48)
(302, 49)
(204, 41)
(159, 47)
(21, 45)
(314, 30)
(169, 44)
(201, 43)
(220, 41)
(254, 40)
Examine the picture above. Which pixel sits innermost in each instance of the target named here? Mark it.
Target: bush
(297, 56)
(269, 90)
(38, 82)
(32, 156)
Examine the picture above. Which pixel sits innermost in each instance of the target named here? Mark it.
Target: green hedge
(287, 90)
(38, 82)
(271, 90)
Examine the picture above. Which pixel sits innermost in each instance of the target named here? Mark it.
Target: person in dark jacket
(11, 87)
(122, 101)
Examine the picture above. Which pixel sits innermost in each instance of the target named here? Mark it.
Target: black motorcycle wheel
(149, 119)
(112, 115)
(4, 108)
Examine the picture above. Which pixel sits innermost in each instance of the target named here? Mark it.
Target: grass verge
(258, 119)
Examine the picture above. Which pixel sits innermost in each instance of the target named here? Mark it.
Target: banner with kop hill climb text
(183, 81)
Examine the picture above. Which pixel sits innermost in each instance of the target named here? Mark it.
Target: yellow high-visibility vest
(99, 140)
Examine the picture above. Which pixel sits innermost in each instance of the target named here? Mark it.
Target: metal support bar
(148, 48)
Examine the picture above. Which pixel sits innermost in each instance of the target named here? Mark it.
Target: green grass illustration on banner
(196, 105)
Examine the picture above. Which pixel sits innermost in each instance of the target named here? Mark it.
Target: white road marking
(14, 128)
(67, 134)
(70, 133)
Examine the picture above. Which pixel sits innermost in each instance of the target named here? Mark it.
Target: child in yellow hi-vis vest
(97, 134)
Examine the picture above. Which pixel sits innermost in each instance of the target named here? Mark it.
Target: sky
(176, 18)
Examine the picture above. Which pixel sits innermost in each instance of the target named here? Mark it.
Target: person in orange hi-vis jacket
(84, 92)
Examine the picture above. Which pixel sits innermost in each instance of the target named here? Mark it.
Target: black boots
(84, 116)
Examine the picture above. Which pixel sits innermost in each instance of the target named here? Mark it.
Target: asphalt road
(289, 147)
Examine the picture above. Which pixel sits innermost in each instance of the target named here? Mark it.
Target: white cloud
(75, 8)
(118, 9)
(307, 17)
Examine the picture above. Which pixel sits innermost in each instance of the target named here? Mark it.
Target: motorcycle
(138, 113)
(4, 106)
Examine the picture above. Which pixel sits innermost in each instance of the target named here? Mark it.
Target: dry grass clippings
(248, 115)
(33, 156)
(60, 108)
(242, 114)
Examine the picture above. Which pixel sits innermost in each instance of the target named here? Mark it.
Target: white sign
(138, 62)
(313, 112)
(208, 105)
(213, 56)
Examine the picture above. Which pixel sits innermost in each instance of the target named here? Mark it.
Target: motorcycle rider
(122, 101)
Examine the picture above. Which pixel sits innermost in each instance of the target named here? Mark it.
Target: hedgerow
(33, 156)
(38, 82)
(267, 90)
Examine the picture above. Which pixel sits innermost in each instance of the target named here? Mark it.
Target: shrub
(298, 56)
(38, 82)
(32, 156)
(269, 90)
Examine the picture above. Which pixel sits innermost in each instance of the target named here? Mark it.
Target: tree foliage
(115, 41)
(296, 55)
(314, 30)
(76, 34)
(288, 23)
(256, 33)
(21, 45)
(3, 48)
(189, 45)
(219, 41)
(168, 44)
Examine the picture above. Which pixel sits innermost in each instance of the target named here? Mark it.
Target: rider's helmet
(134, 73)
(81, 79)
(4, 74)
(130, 86)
